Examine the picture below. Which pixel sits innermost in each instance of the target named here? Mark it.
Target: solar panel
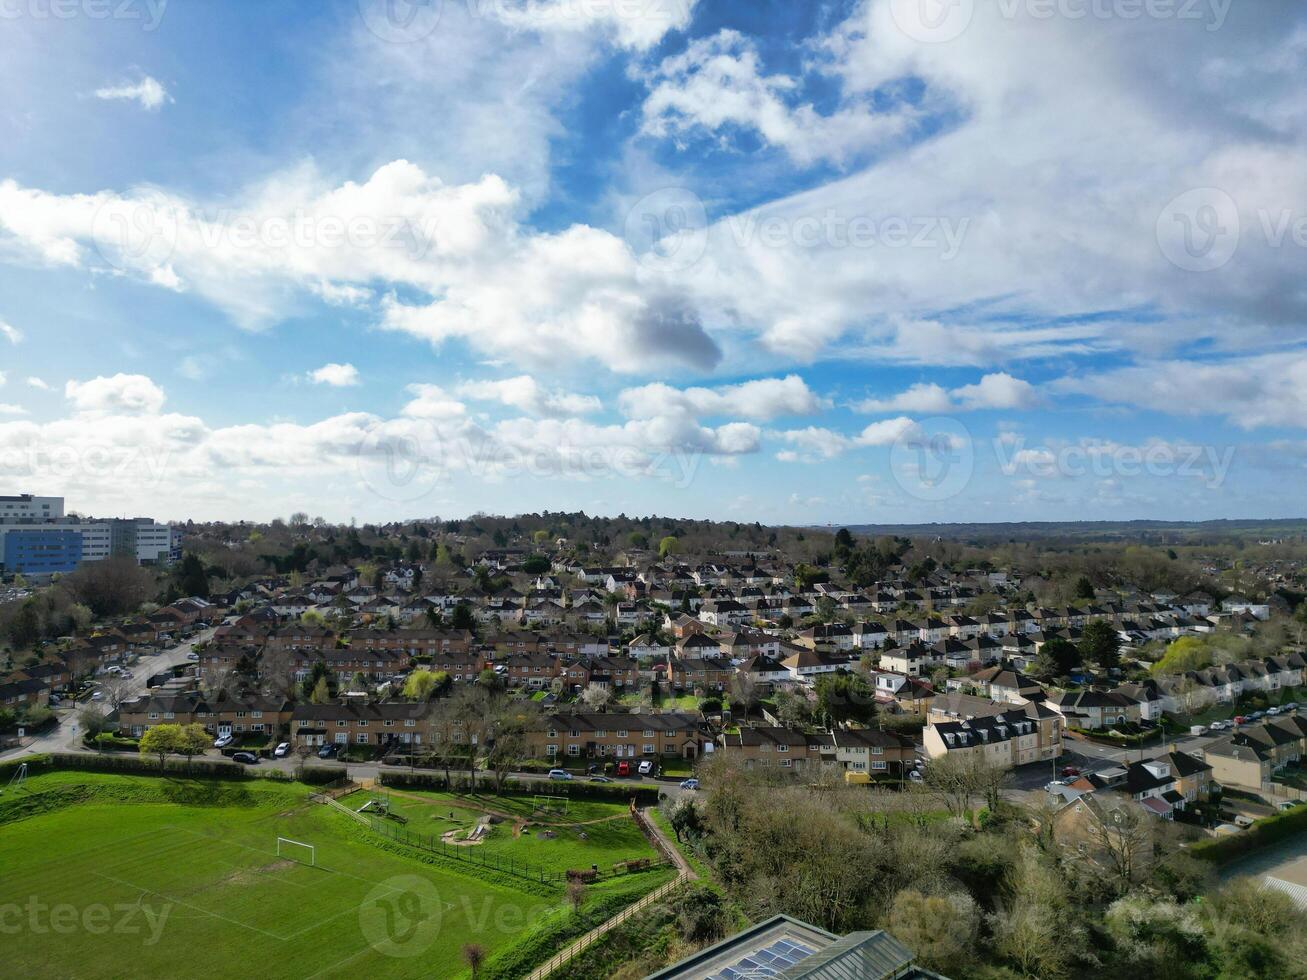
(770, 961)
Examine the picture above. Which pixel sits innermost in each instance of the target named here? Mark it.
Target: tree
(192, 579)
(668, 546)
(1100, 645)
(1122, 837)
(111, 586)
(321, 692)
(1057, 657)
(576, 895)
(1084, 589)
(25, 628)
(474, 955)
(700, 916)
(1183, 655)
(423, 685)
(92, 722)
(535, 564)
(845, 697)
(683, 815)
(843, 539)
(939, 929)
(744, 692)
(192, 740)
(462, 618)
(161, 740)
(596, 698)
(957, 780)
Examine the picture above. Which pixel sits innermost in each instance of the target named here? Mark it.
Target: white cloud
(149, 92)
(1267, 390)
(526, 394)
(637, 25)
(718, 82)
(542, 299)
(10, 333)
(761, 400)
(335, 375)
(993, 391)
(122, 393)
(433, 402)
(818, 443)
(38, 384)
(7, 408)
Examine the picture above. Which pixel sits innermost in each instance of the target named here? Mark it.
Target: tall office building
(36, 539)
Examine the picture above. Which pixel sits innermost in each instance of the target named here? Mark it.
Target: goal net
(297, 851)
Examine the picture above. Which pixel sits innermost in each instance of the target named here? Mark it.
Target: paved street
(64, 737)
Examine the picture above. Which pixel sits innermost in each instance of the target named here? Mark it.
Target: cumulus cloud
(122, 393)
(148, 92)
(8, 408)
(433, 402)
(638, 26)
(760, 400)
(993, 391)
(526, 394)
(10, 333)
(335, 375)
(817, 443)
(37, 383)
(718, 83)
(468, 269)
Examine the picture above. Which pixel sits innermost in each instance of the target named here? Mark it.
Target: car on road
(97, 696)
(222, 741)
(623, 769)
(600, 779)
(646, 767)
(327, 751)
(1240, 720)
(689, 784)
(245, 758)
(192, 656)
(1071, 771)
(282, 750)
(560, 774)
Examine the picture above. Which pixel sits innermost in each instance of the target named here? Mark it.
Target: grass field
(121, 876)
(587, 832)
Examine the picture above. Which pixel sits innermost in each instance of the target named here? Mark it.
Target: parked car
(1257, 714)
(1052, 785)
(647, 767)
(245, 758)
(1197, 729)
(97, 696)
(623, 769)
(690, 784)
(282, 750)
(600, 779)
(327, 751)
(222, 741)
(1069, 771)
(561, 774)
(1240, 719)
(915, 774)
(1272, 711)
(1291, 706)
(192, 656)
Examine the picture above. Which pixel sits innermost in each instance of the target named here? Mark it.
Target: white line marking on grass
(194, 908)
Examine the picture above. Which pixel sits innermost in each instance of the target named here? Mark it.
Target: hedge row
(1268, 830)
(574, 789)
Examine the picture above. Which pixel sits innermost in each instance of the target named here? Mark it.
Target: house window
(880, 765)
(389, 723)
(649, 748)
(601, 733)
(240, 714)
(551, 750)
(782, 748)
(258, 714)
(363, 723)
(361, 738)
(341, 724)
(574, 750)
(621, 733)
(785, 763)
(877, 750)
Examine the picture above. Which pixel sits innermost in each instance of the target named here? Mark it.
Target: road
(64, 737)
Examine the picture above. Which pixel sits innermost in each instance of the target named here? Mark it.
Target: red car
(1240, 719)
(623, 769)
(1070, 771)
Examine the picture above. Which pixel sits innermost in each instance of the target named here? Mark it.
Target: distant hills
(1151, 531)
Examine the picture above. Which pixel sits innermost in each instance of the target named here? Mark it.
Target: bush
(199, 768)
(610, 792)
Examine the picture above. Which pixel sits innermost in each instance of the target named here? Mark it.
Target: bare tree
(576, 895)
(1122, 837)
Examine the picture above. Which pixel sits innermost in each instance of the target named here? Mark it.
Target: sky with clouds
(858, 261)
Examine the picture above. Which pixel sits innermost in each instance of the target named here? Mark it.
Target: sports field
(120, 876)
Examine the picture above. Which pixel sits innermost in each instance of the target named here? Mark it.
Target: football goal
(297, 851)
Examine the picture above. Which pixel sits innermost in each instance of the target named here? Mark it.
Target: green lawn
(587, 832)
(115, 876)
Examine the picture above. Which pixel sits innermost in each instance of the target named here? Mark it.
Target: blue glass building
(41, 551)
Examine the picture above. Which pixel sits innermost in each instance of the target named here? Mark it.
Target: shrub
(1266, 831)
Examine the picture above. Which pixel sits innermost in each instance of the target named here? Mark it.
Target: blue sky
(857, 262)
